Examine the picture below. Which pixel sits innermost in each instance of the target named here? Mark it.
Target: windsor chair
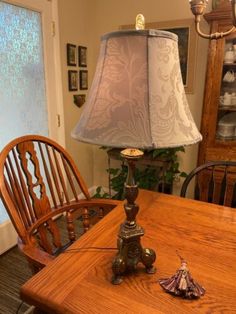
(40, 182)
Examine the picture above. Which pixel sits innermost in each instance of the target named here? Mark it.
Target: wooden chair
(215, 182)
(39, 182)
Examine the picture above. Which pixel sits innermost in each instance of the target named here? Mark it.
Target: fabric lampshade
(137, 97)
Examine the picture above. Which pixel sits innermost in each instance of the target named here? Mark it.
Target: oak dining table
(79, 281)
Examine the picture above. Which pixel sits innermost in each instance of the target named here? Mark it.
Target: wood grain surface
(204, 234)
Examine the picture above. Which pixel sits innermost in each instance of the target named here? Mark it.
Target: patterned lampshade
(137, 97)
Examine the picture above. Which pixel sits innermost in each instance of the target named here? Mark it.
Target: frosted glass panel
(22, 83)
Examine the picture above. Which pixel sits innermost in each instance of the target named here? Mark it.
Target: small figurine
(182, 284)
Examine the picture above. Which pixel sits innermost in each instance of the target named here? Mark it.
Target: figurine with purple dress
(182, 284)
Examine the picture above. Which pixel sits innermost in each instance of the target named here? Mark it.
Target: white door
(29, 80)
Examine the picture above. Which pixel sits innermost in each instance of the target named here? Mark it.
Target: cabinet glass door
(226, 120)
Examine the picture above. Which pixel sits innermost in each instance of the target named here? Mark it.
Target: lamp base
(130, 253)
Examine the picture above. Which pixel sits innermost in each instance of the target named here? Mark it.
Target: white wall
(76, 27)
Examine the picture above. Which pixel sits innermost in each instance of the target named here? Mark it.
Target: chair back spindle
(215, 182)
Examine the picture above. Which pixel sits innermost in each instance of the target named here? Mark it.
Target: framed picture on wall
(72, 80)
(83, 79)
(82, 55)
(71, 54)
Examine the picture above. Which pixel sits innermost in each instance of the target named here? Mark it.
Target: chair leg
(33, 267)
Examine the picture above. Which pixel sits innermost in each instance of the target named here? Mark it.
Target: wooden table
(204, 234)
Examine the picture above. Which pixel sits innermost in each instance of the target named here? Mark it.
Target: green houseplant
(147, 177)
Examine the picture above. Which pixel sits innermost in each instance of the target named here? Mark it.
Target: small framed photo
(82, 54)
(72, 80)
(79, 100)
(83, 79)
(71, 54)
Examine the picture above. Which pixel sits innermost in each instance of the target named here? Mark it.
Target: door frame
(54, 91)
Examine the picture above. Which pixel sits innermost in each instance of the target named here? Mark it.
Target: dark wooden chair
(39, 182)
(215, 182)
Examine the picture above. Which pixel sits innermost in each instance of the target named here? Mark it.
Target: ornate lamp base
(130, 251)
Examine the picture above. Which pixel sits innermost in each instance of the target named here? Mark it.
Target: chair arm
(35, 255)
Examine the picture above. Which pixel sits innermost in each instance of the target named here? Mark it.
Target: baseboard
(92, 190)
(8, 236)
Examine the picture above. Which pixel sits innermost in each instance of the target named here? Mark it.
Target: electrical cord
(88, 248)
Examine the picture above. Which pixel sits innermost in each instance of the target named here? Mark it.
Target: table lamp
(136, 101)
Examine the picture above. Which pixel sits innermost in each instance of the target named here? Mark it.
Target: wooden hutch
(218, 125)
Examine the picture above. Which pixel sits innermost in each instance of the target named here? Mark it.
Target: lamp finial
(140, 22)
